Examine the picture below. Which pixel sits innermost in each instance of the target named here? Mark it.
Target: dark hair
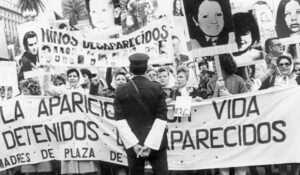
(183, 69)
(284, 56)
(244, 23)
(73, 70)
(199, 35)
(160, 70)
(121, 73)
(60, 78)
(30, 34)
(175, 37)
(203, 62)
(86, 72)
(228, 64)
(46, 47)
(62, 26)
(282, 29)
(174, 8)
(268, 43)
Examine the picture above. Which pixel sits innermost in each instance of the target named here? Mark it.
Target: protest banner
(242, 130)
(183, 106)
(62, 48)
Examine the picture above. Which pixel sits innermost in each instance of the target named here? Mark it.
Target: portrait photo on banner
(247, 36)
(136, 14)
(210, 25)
(288, 19)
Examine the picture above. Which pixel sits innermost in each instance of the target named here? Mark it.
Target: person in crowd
(73, 84)
(230, 83)
(86, 75)
(193, 69)
(98, 86)
(213, 22)
(30, 86)
(182, 88)
(297, 71)
(204, 75)
(144, 137)
(285, 76)
(59, 80)
(288, 18)
(166, 80)
(273, 48)
(29, 59)
(246, 36)
(118, 79)
(177, 8)
(152, 74)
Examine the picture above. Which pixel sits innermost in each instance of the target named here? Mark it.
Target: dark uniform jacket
(140, 111)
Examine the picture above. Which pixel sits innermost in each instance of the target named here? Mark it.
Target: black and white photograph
(93, 87)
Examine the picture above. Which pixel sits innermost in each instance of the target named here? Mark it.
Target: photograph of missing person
(264, 16)
(71, 60)
(80, 59)
(247, 38)
(93, 61)
(65, 60)
(177, 8)
(104, 15)
(57, 58)
(209, 22)
(136, 14)
(2, 92)
(55, 49)
(288, 18)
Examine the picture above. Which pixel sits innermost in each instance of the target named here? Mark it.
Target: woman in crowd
(30, 86)
(182, 88)
(230, 83)
(73, 84)
(213, 23)
(288, 18)
(59, 80)
(86, 75)
(285, 76)
(177, 8)
(118, 79)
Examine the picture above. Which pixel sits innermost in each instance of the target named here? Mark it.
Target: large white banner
(251, 129)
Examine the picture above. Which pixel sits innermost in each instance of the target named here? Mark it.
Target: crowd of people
(197, 79)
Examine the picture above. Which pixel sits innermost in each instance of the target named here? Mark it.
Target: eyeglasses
(284, 64)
